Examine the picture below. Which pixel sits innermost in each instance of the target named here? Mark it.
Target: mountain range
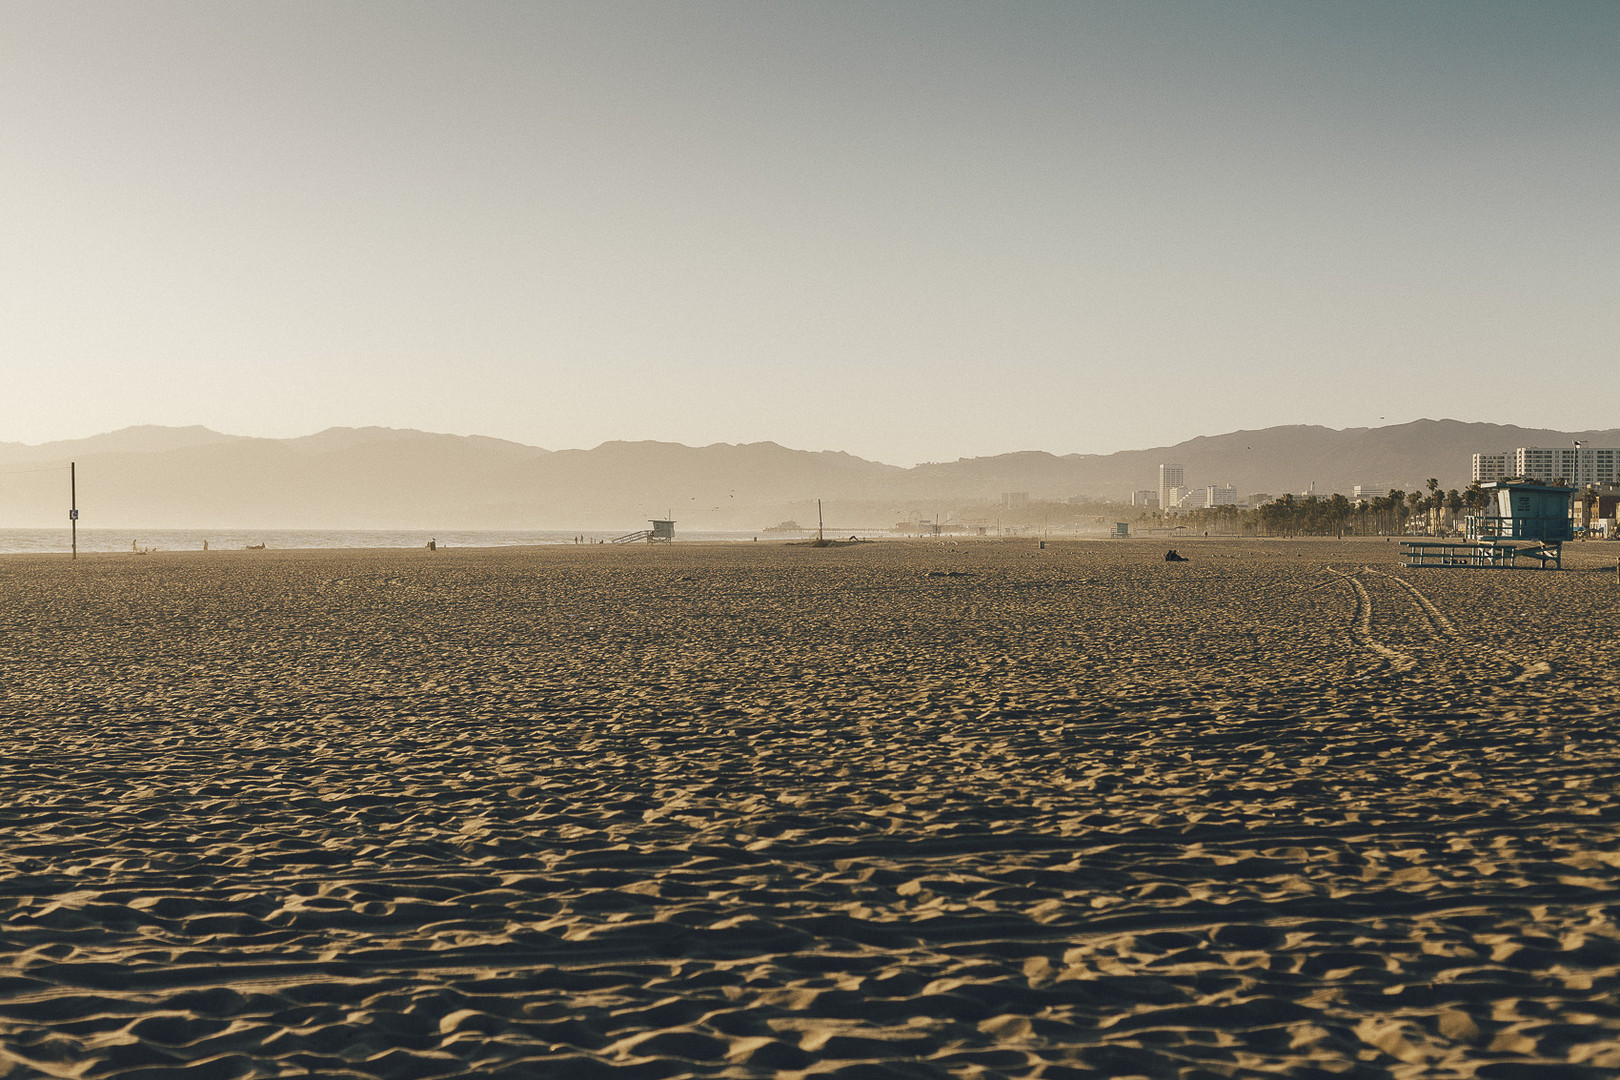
(384, 478)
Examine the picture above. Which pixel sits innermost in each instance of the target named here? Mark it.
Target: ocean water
(41, 541)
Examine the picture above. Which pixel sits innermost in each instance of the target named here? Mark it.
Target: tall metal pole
(73, 504)
(1585, 510)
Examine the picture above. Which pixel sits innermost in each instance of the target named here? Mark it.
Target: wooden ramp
(1481, 554)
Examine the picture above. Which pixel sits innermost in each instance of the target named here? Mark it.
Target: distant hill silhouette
(387, 478)
(143, 439)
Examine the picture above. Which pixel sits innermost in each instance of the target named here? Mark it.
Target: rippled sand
(887, 810)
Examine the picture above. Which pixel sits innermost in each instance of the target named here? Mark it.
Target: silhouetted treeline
(1397, 513)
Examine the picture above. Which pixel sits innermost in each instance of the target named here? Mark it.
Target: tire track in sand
(1519, 668)
(1361, 630)
(1438, 623)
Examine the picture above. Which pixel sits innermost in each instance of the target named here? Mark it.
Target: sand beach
(895, 809)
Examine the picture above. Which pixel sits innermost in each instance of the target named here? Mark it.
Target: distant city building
(1488, 467)
(1577, 464)
(1145, 497)
(1598, 515)
(1200, 498)
(1013, 500)
(1544, 462)
(1369, 492)
(1580, 465)
(1170, 477)
(1603, 467)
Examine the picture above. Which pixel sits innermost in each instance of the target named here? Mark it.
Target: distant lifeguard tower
(1524, 519)
(661, 532)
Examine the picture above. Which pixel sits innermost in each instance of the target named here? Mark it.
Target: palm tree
(1414, 500)
(1392, 504)
(1338, 510)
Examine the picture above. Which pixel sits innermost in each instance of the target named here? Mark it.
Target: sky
(913, 231)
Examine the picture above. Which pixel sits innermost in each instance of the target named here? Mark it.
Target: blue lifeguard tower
(1524, 520)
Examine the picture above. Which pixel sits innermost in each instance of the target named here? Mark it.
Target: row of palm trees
(1308, 515)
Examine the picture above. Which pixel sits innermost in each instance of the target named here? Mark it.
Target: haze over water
(44, 541)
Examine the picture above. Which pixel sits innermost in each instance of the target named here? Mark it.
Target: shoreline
(1594, 548)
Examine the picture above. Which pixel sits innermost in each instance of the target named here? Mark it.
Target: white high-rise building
(1488, 467)
(1579, 465)
(1544, 462)
(1170, 477)
(1369, 492)
(1576, 463)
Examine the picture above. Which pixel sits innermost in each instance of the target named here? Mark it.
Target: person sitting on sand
(1171, 556)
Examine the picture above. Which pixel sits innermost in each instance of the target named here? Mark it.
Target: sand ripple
(881, 811)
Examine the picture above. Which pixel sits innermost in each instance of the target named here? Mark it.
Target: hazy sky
(914, 231)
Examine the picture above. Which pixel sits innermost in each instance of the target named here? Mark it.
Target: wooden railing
(1481, 554)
